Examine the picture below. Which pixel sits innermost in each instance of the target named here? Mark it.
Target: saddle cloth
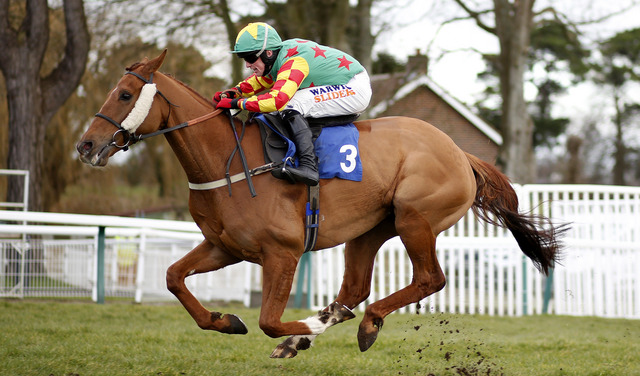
(336, 146)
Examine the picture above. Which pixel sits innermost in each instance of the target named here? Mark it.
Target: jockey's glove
(228, 103)
(232, 93)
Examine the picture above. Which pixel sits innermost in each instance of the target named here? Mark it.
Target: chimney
(417, 64)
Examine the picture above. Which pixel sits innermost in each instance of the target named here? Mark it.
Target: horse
(416, 183)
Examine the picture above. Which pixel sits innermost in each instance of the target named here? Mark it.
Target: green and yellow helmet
(258, 37)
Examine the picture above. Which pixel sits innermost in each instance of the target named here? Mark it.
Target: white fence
(25, 189)
(486, 272)
(61, 261)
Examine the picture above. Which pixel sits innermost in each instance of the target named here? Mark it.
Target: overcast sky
(457, 71)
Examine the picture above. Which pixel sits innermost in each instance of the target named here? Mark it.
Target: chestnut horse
(416, 183)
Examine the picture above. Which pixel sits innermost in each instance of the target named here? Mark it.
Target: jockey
(297, 78)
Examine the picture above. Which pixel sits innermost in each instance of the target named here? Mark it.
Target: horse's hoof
(366, 340)
(228, 324)
(341, 312)
(367, 334)
(290, 347)
(236, 325)
(283, 351)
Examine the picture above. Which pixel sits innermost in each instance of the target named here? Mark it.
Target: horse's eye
(125, 96)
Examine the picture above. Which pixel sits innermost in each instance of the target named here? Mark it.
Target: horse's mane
(134, 66)
(188, 88)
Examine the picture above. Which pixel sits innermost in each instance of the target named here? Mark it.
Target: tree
(4, 119)
(338, 23)
(513, 22)
(193, 22)
(620, 60)
(555, 47)
(335, 23)
(34, 96)
(152, 177)
(386, 63)
(556, 50)
(525, 36)
(512, 25)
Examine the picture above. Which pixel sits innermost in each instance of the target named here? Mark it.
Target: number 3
(352, 152)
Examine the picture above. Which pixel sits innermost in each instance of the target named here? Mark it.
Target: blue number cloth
(338, 153)
(336, 149)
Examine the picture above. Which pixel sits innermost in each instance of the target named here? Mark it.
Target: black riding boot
(307, 170)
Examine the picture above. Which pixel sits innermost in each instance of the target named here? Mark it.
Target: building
(412, 93)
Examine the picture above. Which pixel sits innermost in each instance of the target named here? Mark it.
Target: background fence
(55, 255)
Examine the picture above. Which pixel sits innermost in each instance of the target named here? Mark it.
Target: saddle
(279, 149)
(276, 138)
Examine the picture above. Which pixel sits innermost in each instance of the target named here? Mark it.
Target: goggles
(251, 58)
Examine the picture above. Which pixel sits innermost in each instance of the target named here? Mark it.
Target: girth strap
(312, 218)
(226, 181)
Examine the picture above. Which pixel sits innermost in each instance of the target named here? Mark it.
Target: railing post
(525, 288)
(100, 265)
(305, 268)
(548, 287)
(142, 249)
(524, 198)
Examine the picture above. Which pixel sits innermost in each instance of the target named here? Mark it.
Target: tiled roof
(388, 89)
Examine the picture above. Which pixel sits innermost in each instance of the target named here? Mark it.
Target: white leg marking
(315, 325)
(328, 317)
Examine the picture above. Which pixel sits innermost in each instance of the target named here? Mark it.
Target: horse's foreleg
(204, 258)
(278, 270)
(359, 256)
(428, 278)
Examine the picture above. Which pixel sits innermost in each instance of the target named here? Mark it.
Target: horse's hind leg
(204, 258)
(359, 256)
(428, 278)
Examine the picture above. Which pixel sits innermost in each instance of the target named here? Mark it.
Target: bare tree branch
(64, 79)
(477, 16)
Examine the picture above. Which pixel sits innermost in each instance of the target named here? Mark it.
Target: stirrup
(284, 165)
(286, 174)
(298, 175)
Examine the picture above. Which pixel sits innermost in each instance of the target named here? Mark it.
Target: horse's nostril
(84, 147)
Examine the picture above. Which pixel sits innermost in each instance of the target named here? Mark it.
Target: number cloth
(336, 148)
(338, 153)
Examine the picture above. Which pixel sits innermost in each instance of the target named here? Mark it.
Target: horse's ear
(154, 64)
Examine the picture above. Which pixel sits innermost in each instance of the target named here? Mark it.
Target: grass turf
(68, 339)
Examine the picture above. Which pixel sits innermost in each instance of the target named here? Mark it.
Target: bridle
(130, 138)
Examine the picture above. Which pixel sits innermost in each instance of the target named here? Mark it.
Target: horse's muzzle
(90, 156)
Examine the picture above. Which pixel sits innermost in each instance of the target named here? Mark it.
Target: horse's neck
(201, 148)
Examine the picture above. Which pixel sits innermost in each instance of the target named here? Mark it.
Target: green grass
(37, 282)
(62, 339)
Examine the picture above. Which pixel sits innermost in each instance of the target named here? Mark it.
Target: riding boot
(307, 170)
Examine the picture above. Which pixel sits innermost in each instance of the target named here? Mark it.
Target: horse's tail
(536, 236)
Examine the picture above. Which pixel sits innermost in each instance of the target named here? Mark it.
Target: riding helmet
(258, 37)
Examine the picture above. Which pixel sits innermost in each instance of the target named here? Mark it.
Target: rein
(131, 138)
